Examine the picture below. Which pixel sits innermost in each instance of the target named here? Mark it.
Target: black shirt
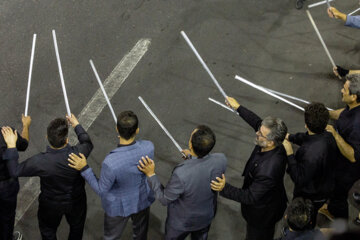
(348, 126)
(58, 181)
(312, 168)
(263, 195)
(21, 145)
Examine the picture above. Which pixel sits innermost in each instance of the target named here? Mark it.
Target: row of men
(323, 169)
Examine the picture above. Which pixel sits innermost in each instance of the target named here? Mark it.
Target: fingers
(82, 156)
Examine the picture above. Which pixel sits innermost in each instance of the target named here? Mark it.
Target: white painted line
(91, 111)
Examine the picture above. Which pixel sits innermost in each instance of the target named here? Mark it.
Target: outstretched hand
(147, 166)
(231, 102)
(72, 120)
(77, 162)
(218, 185)
(10, 136)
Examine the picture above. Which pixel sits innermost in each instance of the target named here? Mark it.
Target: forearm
(89, 176)
(85, 144)
(345, 148)
(159, 190)
(251, 118)
(334, 114)
(25, 133)
(237, 194)
(11, 157)
(354, 72)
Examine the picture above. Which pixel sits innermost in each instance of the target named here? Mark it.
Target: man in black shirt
(9, 186)
(347, 136)
(262, 197)
(312, 167)
(62, 188)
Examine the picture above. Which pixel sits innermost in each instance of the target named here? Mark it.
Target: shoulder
(218, 157)
(145, 143)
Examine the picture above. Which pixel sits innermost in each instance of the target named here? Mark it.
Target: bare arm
(334, 114)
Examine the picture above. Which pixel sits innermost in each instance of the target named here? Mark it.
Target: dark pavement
(267, 42)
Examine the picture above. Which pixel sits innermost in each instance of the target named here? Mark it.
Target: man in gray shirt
(190, 200)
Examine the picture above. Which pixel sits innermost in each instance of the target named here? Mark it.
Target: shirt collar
(125, 145)
(52, 150)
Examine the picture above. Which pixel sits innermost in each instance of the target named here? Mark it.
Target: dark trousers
(173, 234)
(8, 196)
(50, 214)
(317, 205)
(338, 205)
(7, 218)
(259, 232)
(114, 226)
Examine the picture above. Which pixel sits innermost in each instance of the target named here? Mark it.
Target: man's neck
(353, 105)
(59, 147)
(266, 149)
(123, 141)
(310, 132)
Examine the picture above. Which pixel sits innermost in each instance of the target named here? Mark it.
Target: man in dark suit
(9, 186)
(190, 200)
(62, 188)
(262, 197)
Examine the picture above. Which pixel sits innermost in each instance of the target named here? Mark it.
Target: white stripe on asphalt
(91, 111)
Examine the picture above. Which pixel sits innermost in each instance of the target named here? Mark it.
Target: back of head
(316, 117)
(57, 132)
(299, 214)
(127, 123)
(203, 140)
(354, 86)
(277, 129)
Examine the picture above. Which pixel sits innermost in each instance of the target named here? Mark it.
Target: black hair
(299, 214)
(127, 123)
(57, 132)
(354, 86)
(316, 117)
(203, 140)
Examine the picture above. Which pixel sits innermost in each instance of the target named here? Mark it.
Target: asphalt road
(267, 42)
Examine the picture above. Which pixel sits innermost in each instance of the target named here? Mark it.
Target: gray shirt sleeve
(170, 193)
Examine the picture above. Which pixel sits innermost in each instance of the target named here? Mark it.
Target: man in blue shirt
(123, 189)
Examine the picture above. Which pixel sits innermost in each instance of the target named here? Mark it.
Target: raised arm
(85, 145)
(251, 118)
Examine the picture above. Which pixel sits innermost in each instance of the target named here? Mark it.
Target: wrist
(11, 145)
(150, 174)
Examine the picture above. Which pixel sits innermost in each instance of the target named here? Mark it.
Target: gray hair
(278, 129)
(354, 86)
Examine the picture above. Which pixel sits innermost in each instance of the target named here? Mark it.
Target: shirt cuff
(291, 137)
(85, 168)
(10, 153)
(79, 129)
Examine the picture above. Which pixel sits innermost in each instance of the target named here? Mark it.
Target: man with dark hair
(9, 186)
(123, 189)
(191, 203)
(262, 197)
(298, 217)
(62, 188)
(347, 137)
(312, 167)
